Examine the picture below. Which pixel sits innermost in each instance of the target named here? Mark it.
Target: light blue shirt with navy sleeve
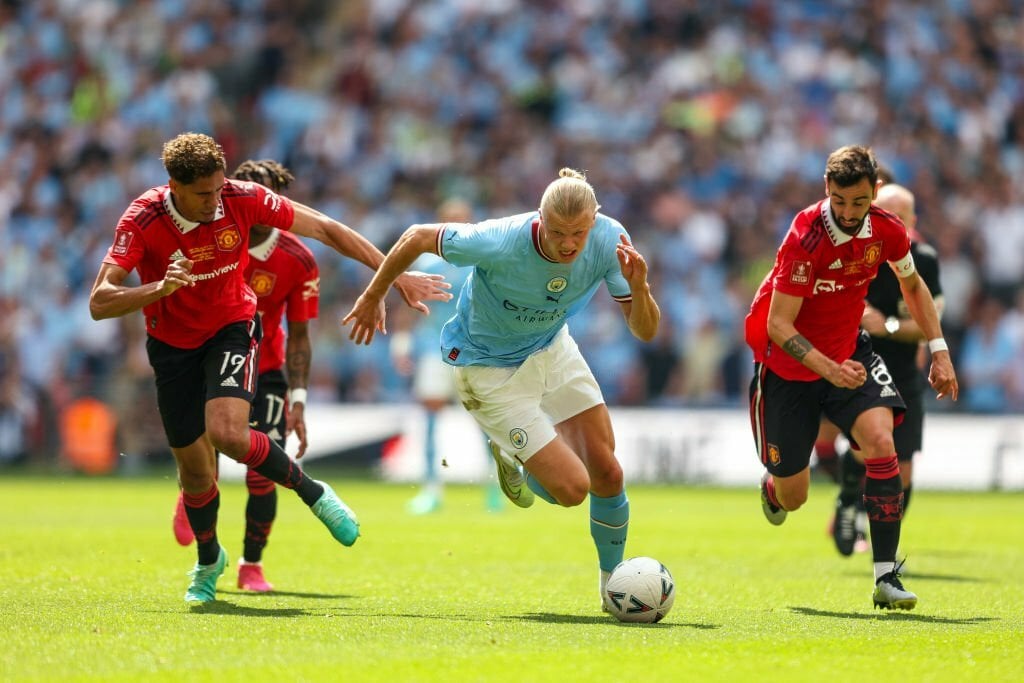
(517, 299)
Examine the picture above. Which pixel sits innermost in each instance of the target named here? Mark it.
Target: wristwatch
(892, 325)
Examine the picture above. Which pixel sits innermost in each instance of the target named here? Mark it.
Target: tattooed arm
(298, 354)
(783, 333)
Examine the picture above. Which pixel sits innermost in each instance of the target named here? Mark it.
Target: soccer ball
(640, 589)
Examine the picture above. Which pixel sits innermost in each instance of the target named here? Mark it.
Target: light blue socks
(609, 522)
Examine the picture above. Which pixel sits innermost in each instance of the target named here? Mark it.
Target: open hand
(367, 316)
(632, 264)
(416, 287)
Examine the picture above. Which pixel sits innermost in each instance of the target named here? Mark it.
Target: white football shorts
(518, 407)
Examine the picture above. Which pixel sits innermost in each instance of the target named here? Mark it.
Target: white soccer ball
(640, 589)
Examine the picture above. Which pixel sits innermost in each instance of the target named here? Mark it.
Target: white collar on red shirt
(263, 250)
(835, 234)
(182, 223)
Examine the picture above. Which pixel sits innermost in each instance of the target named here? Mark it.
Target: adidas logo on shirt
(835, 265)
(887, 391)
(176, 255)
(229, 382)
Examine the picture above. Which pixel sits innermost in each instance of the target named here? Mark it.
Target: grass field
(92, 583)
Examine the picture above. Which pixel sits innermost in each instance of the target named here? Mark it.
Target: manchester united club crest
(228, 238)
(262, 282)
(872, 253)
(773, 454)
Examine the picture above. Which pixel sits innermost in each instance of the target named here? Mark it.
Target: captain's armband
(904, 267)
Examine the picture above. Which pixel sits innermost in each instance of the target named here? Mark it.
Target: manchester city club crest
(557, 284)
(518, 437)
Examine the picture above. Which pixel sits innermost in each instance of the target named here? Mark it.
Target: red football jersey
(831, 271)
(284, 275)
(152, 233)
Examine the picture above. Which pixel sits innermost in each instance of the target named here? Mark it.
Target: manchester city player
(518, 371)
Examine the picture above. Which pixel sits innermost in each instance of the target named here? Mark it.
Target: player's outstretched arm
(367, 314)
(309, 222)
(414, 287)
(111, 299)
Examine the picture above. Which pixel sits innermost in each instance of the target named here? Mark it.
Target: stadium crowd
(701, 123)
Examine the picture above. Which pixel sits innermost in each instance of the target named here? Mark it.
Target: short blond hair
(568, 198)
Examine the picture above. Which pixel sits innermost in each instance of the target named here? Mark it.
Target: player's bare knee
(572, 494)
(195, 481)
(878, 445)
(231, 442)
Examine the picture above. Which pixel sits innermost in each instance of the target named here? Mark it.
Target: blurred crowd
(703, 124)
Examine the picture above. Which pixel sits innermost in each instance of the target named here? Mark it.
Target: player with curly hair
(189, 240)
(284, 275)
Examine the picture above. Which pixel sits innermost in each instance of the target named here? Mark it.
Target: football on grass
(640, 589)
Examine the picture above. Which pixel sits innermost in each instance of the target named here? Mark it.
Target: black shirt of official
(884, 294)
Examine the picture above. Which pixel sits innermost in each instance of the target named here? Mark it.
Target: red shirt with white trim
(152, 233)
(285, 278)
(831, 271)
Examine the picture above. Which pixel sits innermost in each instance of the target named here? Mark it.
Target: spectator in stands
(661, 98)
(987, 359)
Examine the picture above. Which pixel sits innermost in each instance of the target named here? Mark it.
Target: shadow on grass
(230, 609)
(546, 618)
(902, 616)
(290, 594)
(924, 576)
(952, 578)
(549, 618)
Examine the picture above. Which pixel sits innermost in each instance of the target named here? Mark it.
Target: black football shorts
(785, 414)
(224, 365)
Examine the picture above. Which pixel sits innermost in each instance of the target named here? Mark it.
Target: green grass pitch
(92, 583)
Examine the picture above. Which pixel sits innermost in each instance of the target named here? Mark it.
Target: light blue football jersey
(516, 299)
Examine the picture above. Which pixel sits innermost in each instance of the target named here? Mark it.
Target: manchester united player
(896, 338)
(285, 278)
(812, 359)
(188, 241)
